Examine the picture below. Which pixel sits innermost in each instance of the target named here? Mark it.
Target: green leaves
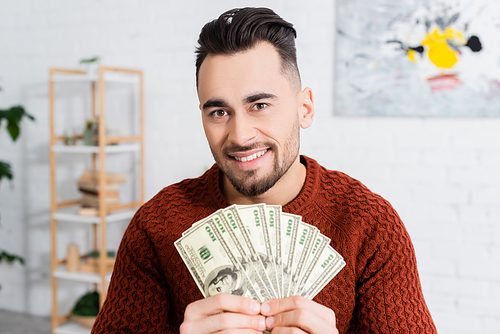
(10, 258)
(5, 171)
(87, 305)
(14, 116)
(89, 60)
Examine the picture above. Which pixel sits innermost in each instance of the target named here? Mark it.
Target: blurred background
(441, 173)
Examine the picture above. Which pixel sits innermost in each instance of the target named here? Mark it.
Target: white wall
(442, 175)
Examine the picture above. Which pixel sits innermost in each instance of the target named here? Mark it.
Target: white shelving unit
(70, 214)
(122, 148)
(67, 211)
(71, 327)
(118, 76)
(62, 273)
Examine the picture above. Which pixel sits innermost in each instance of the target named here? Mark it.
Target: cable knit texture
(378, 291)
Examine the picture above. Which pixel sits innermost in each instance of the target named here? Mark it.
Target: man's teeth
(251, 157)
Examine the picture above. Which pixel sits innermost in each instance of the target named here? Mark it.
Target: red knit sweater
(378, 291)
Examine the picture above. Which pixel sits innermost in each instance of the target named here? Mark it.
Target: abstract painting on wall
(417, 58)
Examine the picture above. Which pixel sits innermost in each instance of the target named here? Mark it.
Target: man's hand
(303, 314)
(223, 312)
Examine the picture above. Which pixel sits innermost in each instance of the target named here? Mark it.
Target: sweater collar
(306, 194)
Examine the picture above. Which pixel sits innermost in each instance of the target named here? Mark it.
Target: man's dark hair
(240, 29)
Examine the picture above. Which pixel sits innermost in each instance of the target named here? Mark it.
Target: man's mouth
(250, 157)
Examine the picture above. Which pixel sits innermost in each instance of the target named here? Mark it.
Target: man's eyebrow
(219, 103)
(259, 96)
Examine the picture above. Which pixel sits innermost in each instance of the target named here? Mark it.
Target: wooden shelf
(67, 210)
(70, 215)
(133, 147)
(71, 327)
(108, 78)
(84, 277)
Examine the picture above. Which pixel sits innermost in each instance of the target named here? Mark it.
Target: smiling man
(253, 108)
(252, 111)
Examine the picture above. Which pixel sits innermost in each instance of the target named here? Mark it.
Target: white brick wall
(441, 175)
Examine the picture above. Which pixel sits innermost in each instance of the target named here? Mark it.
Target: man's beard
(250, 187)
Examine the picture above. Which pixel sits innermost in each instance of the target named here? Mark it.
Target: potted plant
(13, 117)
(91, 65)
(91, 132)
(86, 308)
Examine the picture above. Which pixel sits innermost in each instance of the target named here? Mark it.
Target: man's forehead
(241, 75)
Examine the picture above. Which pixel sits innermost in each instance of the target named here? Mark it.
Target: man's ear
(306, 108)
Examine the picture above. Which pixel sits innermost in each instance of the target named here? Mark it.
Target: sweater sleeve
(389, 295)
(137, 299)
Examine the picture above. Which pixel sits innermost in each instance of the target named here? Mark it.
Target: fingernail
(265, 308)
(270, 322)
(262, 323)
(255, 307)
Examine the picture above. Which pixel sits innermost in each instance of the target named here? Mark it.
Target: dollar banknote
(289, 231)
(305, 237)
(273, 218)
(212, 264)
(259, 252)
(254, 219)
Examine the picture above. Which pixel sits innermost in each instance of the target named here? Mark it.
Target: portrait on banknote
(225, 279)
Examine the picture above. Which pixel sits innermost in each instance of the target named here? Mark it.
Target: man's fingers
(225, 321)
(299, 318)
(276, 306)
(220, 303)
(223, 313)
(288, 330)
(298, 312)
(235, 320)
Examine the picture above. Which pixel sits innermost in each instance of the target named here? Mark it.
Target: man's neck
(283, 192)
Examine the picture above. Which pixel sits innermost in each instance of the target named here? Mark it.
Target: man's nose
(241, 129)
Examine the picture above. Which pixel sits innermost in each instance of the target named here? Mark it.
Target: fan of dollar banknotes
(259, 252)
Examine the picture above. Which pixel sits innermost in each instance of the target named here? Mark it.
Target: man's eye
(260, 106)
(219, 113)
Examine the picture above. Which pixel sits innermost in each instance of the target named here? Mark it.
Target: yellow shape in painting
(439, 51)
(411, 55)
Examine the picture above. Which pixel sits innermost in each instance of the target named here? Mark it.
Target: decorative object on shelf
(69, 139)
(88, 212)
(86, 308)
(91, 65)
(88, 185)
(112, 133)
(90, 179)
(73, 258)
(91, 262)
(91, 132)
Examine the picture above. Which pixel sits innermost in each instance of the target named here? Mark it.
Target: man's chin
(248, 182)
(252, 189)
